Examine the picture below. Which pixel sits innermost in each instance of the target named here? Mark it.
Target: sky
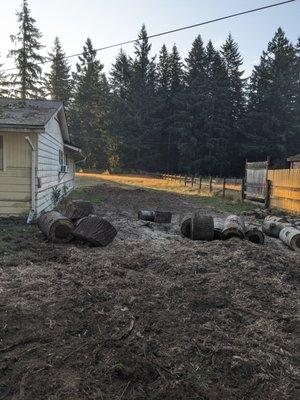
(111, 21)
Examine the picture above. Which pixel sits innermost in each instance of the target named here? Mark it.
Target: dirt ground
(151, 316)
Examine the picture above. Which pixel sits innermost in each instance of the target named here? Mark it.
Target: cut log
(254, 235)
(95, 230)
(161, 217)
(218, 227)
(77, 209)
(273, 225)
(185, 226)
(55, 226)
(234, 226)
(202, 227)
(291, 237)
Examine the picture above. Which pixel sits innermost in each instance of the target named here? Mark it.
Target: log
(160, 217)
(55, 226)
(254, 235)
(234, 226)
(291, 237)
(218, 227)
(185, 226)
(273, 225)
(95, 230)
(76, 209)
(202, 227)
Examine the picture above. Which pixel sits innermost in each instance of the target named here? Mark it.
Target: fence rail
(282, 187)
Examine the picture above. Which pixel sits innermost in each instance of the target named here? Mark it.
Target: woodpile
(59, 228)
(287, 231)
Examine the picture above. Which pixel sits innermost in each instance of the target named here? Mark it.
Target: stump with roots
(234, 226)
(76, 209)
(95, 230)
(56, 227)
(202, 227)
(254, 235)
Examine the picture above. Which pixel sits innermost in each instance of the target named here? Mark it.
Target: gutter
(33, 168)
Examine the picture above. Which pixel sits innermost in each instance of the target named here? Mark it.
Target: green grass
(83, 193)
(223, 204)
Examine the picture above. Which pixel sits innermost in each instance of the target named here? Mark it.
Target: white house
(36, 155)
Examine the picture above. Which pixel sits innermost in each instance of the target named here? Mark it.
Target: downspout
(33, 168)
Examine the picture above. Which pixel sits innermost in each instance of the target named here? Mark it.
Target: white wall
(49, 144)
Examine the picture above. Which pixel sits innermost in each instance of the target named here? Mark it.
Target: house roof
(27, 113)
(294, 158)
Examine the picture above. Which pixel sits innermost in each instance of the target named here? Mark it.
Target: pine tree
(4, 84)
(271, 101)
(294, 146)
(58, 81)
(90, 107)
(193, 110)
(138, 145)
(233, 61)
(120, 75)
(27, 81)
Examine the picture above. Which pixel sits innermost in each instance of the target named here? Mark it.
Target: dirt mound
(151, 316)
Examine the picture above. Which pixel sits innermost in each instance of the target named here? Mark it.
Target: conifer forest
(163, 113)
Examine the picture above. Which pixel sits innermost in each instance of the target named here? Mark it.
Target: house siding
(15, 179)
(49, 144)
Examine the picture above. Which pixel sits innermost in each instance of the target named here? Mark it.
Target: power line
(172, 31)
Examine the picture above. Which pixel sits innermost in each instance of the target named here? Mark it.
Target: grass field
(148, 182)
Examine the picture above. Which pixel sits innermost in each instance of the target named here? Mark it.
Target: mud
(151, 316)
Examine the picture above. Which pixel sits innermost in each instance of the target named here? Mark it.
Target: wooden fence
(282, 187)
(225, 187)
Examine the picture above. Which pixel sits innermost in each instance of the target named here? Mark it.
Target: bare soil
(151, 316)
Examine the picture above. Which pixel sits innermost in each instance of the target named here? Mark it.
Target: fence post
(185, 180)
(243, 190)
(224, 186)
(268, 193)
(210, 184)
(200, 184)
(192, 180)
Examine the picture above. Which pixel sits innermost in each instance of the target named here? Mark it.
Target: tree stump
(95, 230)
(76, 209)
(55, 226)
(185, 226)
(160, 217)
(234, 226)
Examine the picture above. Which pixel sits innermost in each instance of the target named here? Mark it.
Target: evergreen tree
(272, 97)
(90, 108)
(193, 110)
(27, 81)
(138, 144)
(233, 61)
(4, 84)
(294, 147)
(120, 75)
(58, 81)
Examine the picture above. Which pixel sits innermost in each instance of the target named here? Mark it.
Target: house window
(1, 154)
(61, 157)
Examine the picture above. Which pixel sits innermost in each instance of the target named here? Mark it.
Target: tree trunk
(218, 227)
(234, 226)
(77, 209)
(95, 230)
(273, 225)
(291, 237)
(254, 235)
(55, 226)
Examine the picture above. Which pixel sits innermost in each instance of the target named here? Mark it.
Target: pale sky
(112, 21)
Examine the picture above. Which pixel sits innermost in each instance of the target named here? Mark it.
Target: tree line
(196, 116)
